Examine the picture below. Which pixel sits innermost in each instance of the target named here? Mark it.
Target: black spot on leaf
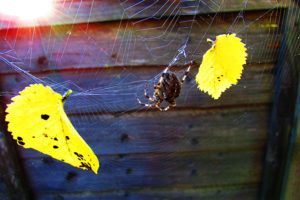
(21, 143)
(20, 138)
(45, 116)
(55, 147)
(85, 165)
(67, 137)
(55, 139)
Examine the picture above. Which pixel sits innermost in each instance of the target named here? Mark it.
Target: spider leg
(173, 104)
(146, 95)
(143, 104)
(186, 72)
(149, 105)
(155, 86)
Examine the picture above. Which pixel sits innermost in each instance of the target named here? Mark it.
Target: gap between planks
(227, 187)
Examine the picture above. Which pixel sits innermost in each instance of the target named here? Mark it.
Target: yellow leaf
(37, 120)
(222, 65)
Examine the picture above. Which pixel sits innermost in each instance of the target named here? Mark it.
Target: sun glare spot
(26, 9)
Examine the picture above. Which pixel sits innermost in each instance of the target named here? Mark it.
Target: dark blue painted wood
(116, 90)
(222, 193)
(149, 170)
(103, 44)
(173, 131)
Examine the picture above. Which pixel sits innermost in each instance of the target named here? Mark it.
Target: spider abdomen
(170, 87)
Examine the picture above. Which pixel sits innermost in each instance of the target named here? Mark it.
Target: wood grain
(149, 170)
(13, 183)
(217, 193)
(174, 131)
(116, 90)
(284, 114)
(291, 131)
(294, 171)
(75, 11)
(148, 43)
(201, 149)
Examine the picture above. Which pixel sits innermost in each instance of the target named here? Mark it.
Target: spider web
(107, 75)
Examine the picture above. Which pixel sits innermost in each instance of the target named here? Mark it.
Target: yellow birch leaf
(222, 65)
(37, 120)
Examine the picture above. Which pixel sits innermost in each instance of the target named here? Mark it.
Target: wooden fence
(202, 149)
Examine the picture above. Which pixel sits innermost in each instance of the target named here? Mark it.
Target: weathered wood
(221, 144)
(76, 11)
(13, 183)
(216, 193)
(3, 189)
(174, 131)
(282, 130)
(115, 90)
(145, 43)
(11, 170)
(3, 194)
(149, 170)
(291, 181)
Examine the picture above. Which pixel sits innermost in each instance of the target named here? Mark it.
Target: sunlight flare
(26, 9)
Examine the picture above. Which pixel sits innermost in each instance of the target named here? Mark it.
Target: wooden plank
(115, 90)
(2, 186)
(284, 114)
(146, 43)
(149, 171)
(216, 193)
(4, 195)
(3, 190)
(13, 181)
(174, 131)
(76, 11)
(290, 189)
(293, 182)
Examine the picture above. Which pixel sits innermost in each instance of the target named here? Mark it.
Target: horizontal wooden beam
(76, 11)
(152, 171)
(245, 192)
(116, 89)
(172, 131)
(150, 42)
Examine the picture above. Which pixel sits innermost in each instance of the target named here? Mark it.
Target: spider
(167, 89)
